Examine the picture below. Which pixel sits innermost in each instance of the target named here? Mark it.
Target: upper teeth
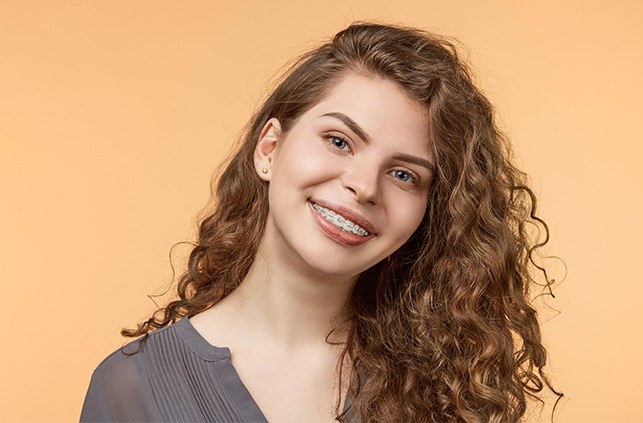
(339, 221)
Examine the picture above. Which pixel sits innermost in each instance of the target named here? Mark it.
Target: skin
(302, 276)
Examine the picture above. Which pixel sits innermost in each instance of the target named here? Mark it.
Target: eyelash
(415, 180)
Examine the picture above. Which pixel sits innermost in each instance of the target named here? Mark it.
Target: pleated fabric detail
(189, 387)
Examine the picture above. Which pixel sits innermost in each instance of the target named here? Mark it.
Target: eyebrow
(353, 126)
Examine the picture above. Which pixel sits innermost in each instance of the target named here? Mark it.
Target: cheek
(309, 163)
(407, 217)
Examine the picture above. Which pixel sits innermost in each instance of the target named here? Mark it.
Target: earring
(264, 170)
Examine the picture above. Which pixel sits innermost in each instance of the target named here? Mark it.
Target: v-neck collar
(228, 374)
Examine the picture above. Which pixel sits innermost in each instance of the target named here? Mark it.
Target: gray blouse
(177, 377)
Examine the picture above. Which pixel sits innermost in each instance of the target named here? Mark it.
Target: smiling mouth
(341, 222)
(338, 231)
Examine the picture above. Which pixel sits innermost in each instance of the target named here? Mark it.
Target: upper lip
(346, 213)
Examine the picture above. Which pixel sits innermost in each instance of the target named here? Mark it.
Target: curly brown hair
(442, 330)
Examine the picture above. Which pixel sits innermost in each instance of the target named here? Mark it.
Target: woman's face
(363, 148)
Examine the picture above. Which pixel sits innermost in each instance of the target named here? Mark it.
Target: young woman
(366, 259)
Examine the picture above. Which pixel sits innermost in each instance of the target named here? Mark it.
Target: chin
(332, 268)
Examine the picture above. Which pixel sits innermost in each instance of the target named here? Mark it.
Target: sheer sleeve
(119, 391)
(94, 407)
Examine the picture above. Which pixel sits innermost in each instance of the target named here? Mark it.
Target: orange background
(114, 114)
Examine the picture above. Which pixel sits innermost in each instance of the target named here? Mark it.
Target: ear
(266, 149)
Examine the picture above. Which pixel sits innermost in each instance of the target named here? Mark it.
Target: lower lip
(335, 233)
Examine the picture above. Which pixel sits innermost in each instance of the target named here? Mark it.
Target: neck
(285, 310)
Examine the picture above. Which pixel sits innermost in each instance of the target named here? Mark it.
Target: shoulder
(119, 389)
(155, 355)
(161, 376)
(129, 359)
(122, 360)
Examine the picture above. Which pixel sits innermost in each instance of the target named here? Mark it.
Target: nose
(363, 183)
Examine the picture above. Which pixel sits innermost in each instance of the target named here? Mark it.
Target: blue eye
(410, 178)
(337, 141)
(405, 173)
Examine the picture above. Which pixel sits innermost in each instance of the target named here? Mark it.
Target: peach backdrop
(114, 114)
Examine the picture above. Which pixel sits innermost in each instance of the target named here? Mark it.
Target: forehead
(380, 107)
